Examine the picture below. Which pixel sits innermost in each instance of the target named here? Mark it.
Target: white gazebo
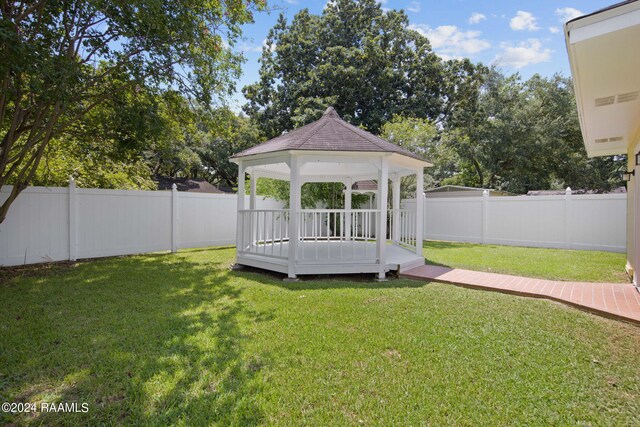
(298, 241)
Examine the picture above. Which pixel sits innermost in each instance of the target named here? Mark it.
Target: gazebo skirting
(330, 241)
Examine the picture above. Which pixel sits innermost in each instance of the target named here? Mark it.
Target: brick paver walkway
(615, 300)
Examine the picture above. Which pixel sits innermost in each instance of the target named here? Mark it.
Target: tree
(365, 62)
(103, 149)
(420, 136)
(523, 135)
(143, 133)
(173, 150)
(329, 195)
(463, 82)
(61, 59)
(224, 134)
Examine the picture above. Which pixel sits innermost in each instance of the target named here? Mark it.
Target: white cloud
(291, 1)
(568, 13)
(449, 41)
(554, 30)
(271, 48)
(524, 21)
(414, 7)
(446, 57)
(524, 53)
(246, 47)
(382, 3)
(476, 18)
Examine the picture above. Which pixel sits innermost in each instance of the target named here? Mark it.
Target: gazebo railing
(338, 234)
(339, 224)
(405, 227)
(264, 232)
(324, 234)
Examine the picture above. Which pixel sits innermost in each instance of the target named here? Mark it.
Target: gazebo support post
(253, 178)
(252, 190)
(395, 220)
(294, 214)
(347, 207)
(381, 235)
(239, 235)
(419, 210)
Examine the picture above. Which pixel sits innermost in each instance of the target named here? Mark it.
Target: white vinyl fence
(55, 224)
(591, 222)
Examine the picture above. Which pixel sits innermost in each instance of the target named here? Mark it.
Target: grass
(182, 340)
(554, 264)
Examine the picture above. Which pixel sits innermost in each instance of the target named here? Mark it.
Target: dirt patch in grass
(7, 274)
(392, 353)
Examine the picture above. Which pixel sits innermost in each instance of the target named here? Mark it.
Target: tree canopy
(479, 126)
(365, 62)
(521, 136)
(61, 59)
(115, 93)
(146, 134)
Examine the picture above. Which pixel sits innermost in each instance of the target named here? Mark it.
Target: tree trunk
(478, 169)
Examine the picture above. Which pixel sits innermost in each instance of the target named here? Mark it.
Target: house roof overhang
(603, 50)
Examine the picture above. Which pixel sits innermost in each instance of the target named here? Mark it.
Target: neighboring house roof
(187, 184)
(460, 190)
(618, 190)
(365, 186)
(329, 133)
(446, 188)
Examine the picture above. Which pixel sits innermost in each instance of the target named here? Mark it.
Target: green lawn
(555, 264)
(182, 340)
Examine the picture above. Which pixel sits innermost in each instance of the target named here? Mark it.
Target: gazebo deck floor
(331, 257)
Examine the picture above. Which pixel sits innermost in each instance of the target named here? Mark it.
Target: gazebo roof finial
(331, 112)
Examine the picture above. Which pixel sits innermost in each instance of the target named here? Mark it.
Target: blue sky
(520, 36)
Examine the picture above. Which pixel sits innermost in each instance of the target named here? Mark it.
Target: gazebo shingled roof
(329, 133)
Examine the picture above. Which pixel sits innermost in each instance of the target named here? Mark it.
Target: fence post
(174, 218)
(567, 221)
(485, 219)
(73, 223)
